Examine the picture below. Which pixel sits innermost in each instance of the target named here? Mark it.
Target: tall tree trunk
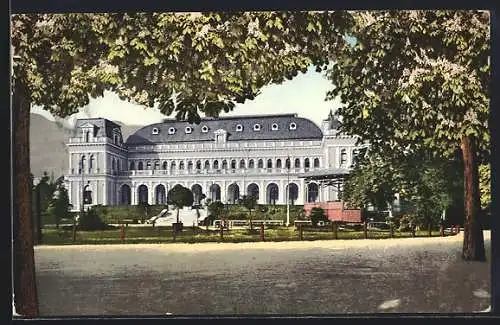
(473, 247)
(26, 299)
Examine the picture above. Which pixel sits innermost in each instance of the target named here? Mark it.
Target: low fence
(246, 223)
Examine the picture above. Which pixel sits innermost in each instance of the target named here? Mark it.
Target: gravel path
(317, 277)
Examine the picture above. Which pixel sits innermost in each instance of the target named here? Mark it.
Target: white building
(223, 158)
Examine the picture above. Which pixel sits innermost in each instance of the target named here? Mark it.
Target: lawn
(150, 235)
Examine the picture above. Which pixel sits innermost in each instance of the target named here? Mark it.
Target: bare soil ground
(411, 275)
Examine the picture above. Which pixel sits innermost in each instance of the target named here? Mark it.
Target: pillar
(262, 193)
(133, 190)
(151, 193)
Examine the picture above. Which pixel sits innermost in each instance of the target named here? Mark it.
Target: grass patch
(159, 235)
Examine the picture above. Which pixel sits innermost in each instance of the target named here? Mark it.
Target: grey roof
(104, 127)
(306, 129)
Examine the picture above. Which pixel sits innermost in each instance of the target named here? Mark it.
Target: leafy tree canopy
(180, 196)
(415, 78)
(183, 63)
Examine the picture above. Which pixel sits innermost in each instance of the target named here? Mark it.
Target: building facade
(223, 158)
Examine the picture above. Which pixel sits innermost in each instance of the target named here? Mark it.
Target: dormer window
(155, 131)
(239, 128)
(256, 127)
(188, 129)
(171, 130)
(274, 127)
(293, 126)
(220, 136)
(204, 129)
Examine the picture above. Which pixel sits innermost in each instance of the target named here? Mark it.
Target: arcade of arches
(267, 193)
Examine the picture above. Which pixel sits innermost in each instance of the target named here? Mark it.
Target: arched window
(165, 165)
(207, 164)
(91, 163)
(260, 163)
(160, 194)
(233, 164)
(132, 166)
(125, 195)
(140, 166)
(173, 166)
(198, 164)
(316, 162)
(216, 164)
(278, 163)
(269, 163)
(181, 165)
(253, 190)
(82, 164)
(287, 163)
(190, 165)
(306, 163)
(242, 163)
(87, 136)
(148, 165)
(272, 193)
(292, 192)
(87, 195)
(343, 158)
(251, 163)
(224, 164)
(297, 163)
(142, 192)
(157, 164)
(312, 192)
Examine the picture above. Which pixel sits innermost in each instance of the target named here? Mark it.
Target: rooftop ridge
(236, 117)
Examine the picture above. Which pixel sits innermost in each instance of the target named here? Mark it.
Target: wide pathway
(320, 277)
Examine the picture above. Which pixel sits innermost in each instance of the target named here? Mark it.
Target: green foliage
(371, 182)
(216, 209)
(59, 205)
(249, 202)
(144, 209)
(90, 221)
(485, 185)
(180, 197)
(415, 79)
(427, 184)
(46, 191)
(317, 215)
(182, 63)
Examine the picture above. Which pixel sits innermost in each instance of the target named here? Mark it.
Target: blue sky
(304, 95)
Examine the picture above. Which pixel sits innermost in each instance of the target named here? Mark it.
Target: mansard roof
(104, 127)
(159, 132)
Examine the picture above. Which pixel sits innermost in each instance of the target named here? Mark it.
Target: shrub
(317, 215)
(90, 221)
